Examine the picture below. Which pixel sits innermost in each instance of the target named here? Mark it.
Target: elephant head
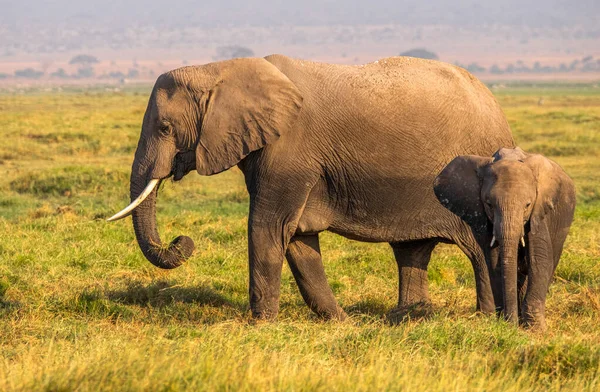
(206, 118)
(519, 194)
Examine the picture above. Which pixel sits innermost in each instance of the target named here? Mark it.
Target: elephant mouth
(178, 175)
(183, 163)
(523, 240)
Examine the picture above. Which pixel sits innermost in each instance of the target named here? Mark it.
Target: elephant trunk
(146, 233)
(509, 233)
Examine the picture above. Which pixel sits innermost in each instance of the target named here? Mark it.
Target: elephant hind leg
(412, 259)
(304, 258)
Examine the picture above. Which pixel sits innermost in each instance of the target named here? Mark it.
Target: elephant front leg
(304, 257)
(533, 308)
(266, 253)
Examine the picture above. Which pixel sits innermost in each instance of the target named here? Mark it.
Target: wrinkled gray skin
(524, 196)
(350, 149)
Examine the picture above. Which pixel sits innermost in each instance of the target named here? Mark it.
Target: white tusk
(129, 209)
(523, 241)
(493, 241)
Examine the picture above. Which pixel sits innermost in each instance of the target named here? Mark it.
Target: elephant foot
(536, 324)
(487, 307)
(414, 311)
(264, 315)
(261, 319)
(332, 315)
(533, 317)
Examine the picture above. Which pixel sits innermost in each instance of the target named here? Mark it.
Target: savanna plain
(82, 309)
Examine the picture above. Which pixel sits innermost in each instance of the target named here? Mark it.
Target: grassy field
(81, 309)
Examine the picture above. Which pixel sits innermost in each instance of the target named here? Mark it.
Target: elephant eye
(164, 129)
(527, 205)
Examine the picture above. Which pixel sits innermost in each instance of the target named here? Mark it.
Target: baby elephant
(529, 202)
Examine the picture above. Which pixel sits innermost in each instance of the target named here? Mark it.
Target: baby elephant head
(517, 194)
(508, 193)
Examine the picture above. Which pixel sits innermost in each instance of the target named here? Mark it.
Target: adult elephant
(349, 149)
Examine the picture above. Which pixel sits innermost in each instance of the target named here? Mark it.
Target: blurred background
(66, 42)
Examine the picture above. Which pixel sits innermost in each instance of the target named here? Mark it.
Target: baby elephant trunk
(509, 233)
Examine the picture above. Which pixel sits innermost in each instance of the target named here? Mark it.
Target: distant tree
(586, 59)
(474, 68)
(3, 76)
(83, 59)
(28, 73)
(85, 72)
(591, 66)
(521, 67)
(510, 68)
(133, 73)
(495, 69)
(234, 51)
(116, 75)
(59, 73)
(420, 53)
(573, 65)
(538, 67)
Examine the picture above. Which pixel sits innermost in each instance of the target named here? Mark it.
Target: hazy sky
(172, 13)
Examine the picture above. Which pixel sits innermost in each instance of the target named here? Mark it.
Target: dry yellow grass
(81, 309)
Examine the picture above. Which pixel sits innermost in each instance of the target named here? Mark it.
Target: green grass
(80, 307)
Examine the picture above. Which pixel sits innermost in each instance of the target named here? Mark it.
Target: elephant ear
(251, 105)
(553, 209)
(458, 188)
(550, 181)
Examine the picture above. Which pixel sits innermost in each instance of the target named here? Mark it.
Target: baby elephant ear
(554, 187)
(458, 188)
(553, 210)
